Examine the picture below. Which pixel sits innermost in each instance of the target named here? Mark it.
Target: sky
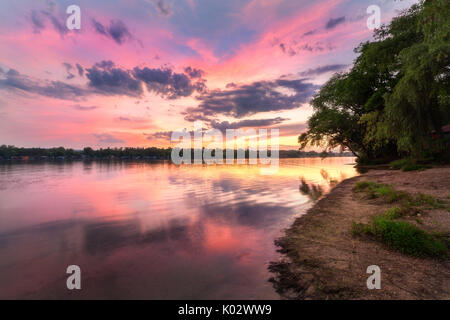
(137, 70)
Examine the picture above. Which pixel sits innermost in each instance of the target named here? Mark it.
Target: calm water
(151, 230)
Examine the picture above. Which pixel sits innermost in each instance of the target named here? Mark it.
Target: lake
(151, 230)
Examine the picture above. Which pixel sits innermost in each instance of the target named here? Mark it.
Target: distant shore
(323, 260)
(10, 153)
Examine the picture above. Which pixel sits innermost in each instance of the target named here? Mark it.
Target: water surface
(151, 230)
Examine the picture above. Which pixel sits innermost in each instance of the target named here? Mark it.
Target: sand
(324, 261)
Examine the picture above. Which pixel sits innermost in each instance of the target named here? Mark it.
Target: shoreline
(322, 260)
(26, 160)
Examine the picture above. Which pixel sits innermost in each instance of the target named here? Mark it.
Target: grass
(402, 236)
(421, 199)
(363, 185)
(390, 195)
(408, 165)
(395, 213)
(378, 190)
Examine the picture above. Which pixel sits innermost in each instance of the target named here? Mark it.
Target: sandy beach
(325, 261)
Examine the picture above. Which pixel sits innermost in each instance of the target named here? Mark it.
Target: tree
(419, 103)
(395, 94)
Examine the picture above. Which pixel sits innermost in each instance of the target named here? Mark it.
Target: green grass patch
(408, 165)
(421, 199)
(398, 164)
(363, 185)
(390, 195)
(401, 236)
(395, 213)
(378, 190)
(360, 229)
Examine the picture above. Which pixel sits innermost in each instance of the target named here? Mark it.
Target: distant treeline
(12, 153)
(61, 153)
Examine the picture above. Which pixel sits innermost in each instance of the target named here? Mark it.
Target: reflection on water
(151, 230)
(313, 191)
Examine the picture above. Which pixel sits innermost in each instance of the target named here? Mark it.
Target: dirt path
(326, 262)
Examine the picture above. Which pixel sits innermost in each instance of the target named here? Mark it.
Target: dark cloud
(38, 24)
(332, 23)
(117, 30)
(104, 64)
(107, 138)
(250, 123)
(134, 120)
(322, 69)
(68, 68)
(292, 129)
(223, 126)
(55, 89)
(261, 96)
(106, 79)
(84, 108)
(58, 24)
(163, 7)
(80, 70)
(309, 33)
(192, 116)
(99, 27)
(67, 65)
(160, 135)
(169, 84)
(295, 48)
(285, 130)
(194, 73)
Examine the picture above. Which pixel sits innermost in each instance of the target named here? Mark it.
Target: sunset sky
(139, 69)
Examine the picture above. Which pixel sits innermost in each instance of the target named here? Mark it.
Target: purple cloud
(117, 30)
(332, 23)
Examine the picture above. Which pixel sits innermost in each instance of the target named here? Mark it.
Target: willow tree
(395, 94)
(419, 103)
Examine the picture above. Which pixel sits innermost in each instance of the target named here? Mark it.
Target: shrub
(398, 164)
(407, 165)
(402, 236)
